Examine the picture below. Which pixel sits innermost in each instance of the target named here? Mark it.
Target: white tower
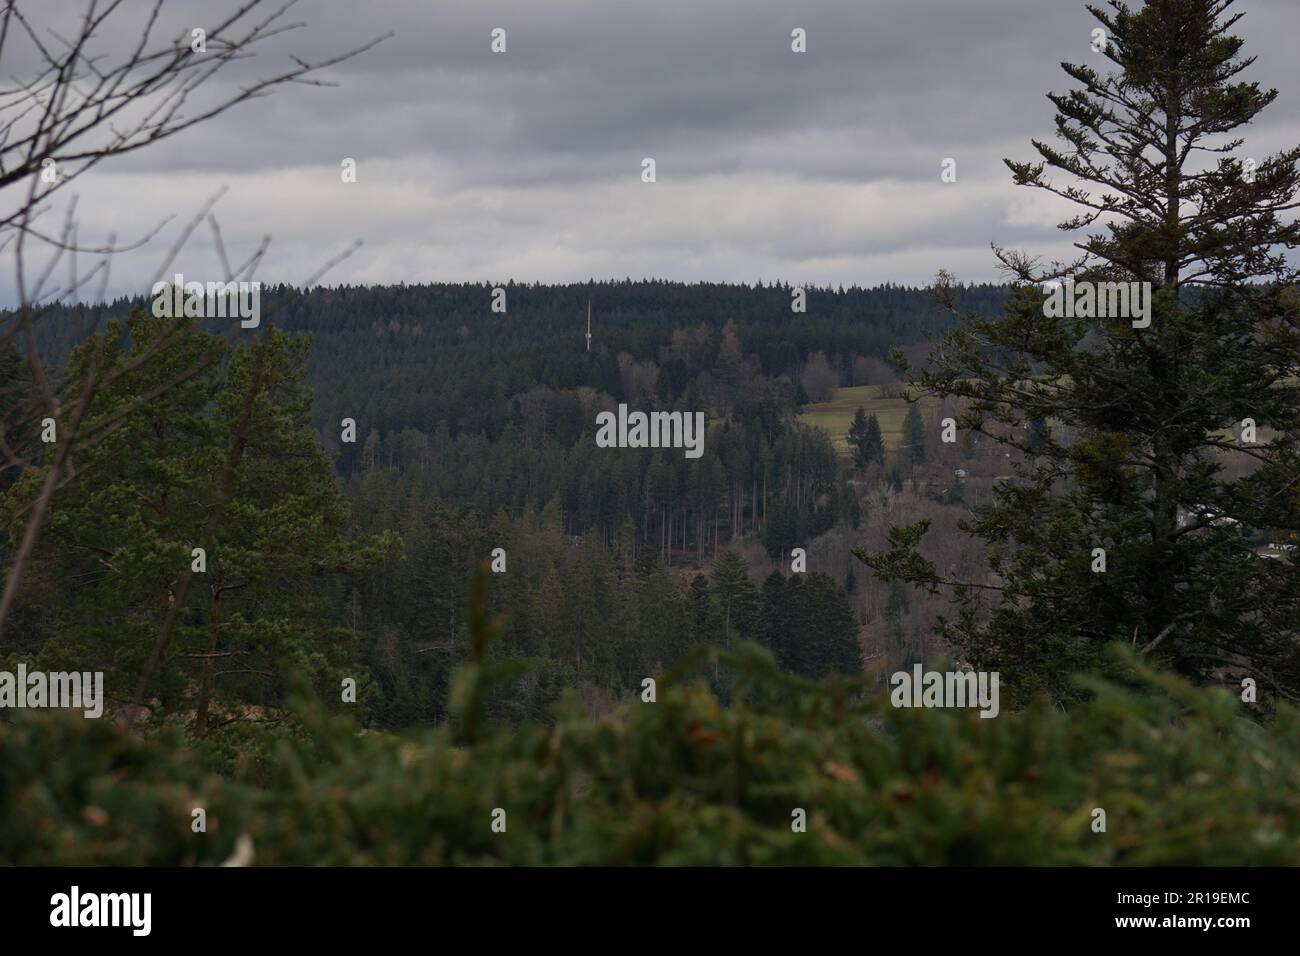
(588, 325)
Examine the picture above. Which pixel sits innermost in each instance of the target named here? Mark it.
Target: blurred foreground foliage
(1184, 775)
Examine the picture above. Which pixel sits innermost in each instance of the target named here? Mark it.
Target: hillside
(835, 416)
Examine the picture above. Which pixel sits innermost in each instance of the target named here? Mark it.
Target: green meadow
(836, 415)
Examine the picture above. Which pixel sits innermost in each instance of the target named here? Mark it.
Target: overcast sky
(819, 167)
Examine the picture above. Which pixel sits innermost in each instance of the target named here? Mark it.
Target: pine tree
(875, 441)
(781, 531)
(774, 625)
(736, 594)
(705, 614)
(865, 439)
(191, 553)
(913, 443)
(858, 439)
(819, 634)
(1146, 415)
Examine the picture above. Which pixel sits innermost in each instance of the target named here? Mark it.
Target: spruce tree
(1130, 517)
(736, 594)
(865, 439)
(706, 616)
(775, 624)
(189, 561)
(820, 634)
(913, 443)
(875, 441)
(858, 439)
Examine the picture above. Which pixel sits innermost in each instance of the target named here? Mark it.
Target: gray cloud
(821, 167)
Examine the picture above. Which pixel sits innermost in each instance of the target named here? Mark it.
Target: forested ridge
(497, 409)
(474, 432)
(372, 562)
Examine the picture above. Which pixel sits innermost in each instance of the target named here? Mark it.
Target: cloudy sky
(821, 167)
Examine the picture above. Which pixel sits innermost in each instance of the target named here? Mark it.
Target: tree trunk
(205, 685)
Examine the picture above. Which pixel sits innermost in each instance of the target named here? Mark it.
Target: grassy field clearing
(836, 415)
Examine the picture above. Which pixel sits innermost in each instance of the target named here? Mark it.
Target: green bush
(1185, 777)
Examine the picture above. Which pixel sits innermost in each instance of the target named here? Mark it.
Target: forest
(361, 581)
(616, 561)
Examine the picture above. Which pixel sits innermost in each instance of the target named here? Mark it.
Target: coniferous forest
(366, 571)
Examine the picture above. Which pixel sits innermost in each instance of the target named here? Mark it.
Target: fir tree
(865, 440)
(736, 594)
(820, 634)
(1148, 413)
(191, 554)
(912, 447)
